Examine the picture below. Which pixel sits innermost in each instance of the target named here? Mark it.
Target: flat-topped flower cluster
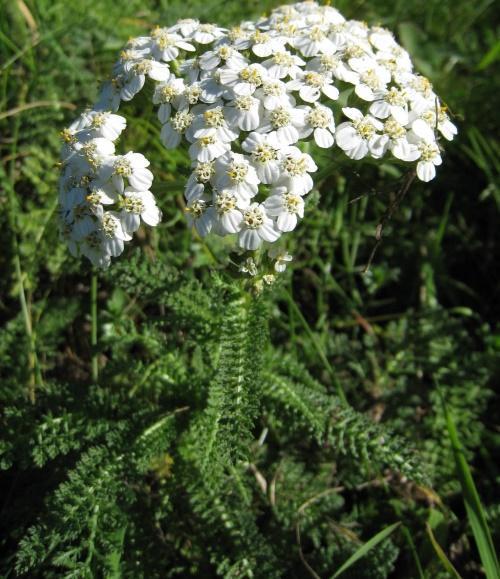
(244, 101)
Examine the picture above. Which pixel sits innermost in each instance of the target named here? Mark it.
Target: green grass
(427, 311)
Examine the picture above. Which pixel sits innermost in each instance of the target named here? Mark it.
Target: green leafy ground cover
(157, 469)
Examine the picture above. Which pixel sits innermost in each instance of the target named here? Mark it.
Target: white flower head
(429, 158)
(137, 205)
(137, 73)
(274, 93)
(208, 147)
(392, 102)
(105, 124)
(314, 41)
(320, 122)
(373, 78)
(264, 44)
(283, 64)
(166, 45)
(207, 33)
(244, 112)
(295, 168)
(199, 178)
(312, 85)
(249, 266)
(287, 207)
(201, 215)
(280, 258)
(211, 121)
(173, 130)
(234, 173)
(265, 156)
(356, 137)
(167, 94)
(243, 79)
(284, 124)
(394, 138)
(222, 53)
(229, 207)
(133, 168)
(256, 227)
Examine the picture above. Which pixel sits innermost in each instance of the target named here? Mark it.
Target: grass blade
(447, 564)
(473, 506)
(368, 546)
(414, 553)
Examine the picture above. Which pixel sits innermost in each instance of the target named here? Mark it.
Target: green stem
(33, 366)
(318, 347)
(34, 369)
(93, 317)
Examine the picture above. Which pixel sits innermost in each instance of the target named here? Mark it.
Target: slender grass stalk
(473, 505)
(447, 564)
(365, 548)
(317, 346)
(93, 318)
(33, 367)
(414, 552)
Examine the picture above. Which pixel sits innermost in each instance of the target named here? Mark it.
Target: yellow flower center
(237, 172)
(253, 218)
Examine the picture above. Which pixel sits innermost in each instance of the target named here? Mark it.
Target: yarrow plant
(246, 102)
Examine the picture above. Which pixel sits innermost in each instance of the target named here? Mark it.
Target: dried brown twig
(389, 212)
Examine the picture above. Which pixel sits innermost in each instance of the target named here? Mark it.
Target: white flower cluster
(245, 101)
(102, 196)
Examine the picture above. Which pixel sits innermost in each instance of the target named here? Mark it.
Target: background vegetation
(157, 469)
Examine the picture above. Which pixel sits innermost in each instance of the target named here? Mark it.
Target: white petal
(423, 130)
(132, 87)
(115, 246)
(268, 232)
(359, 151)
(274, 205)
(119, 183)
(262, 50)
(137, 159)
(426, 171)
(268, 172)
(323, 138)
(404, 151)
(309, 94)
(185, 46)
(287, 135)
(205, 223)
(209, 60)
(379, 145)
(141, 179)
(152, 216)
(250, 121)
(352, 113)
(231, 221)
(287, 221)
(301, 185)
(249, 239)
(130, 221)
(169, 137)
(400, 114)
(331, 92)
(164, 112)
(347, 137)
(159, 71)
(380, 109)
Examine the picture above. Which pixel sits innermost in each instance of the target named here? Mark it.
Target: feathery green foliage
(214, 442)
